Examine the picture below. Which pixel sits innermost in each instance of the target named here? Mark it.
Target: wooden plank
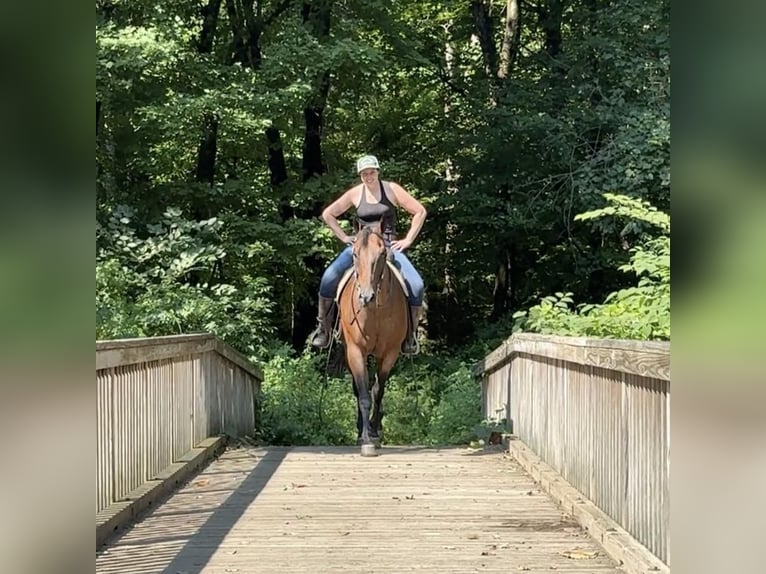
(120, 352)
(645, 358)
(131, 351)
(239, 359)
(329, 510)
(633, 557)
(117, 516)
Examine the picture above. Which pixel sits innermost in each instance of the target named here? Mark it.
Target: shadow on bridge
(181, 535)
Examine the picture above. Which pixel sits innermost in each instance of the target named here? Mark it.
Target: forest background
(537, 135)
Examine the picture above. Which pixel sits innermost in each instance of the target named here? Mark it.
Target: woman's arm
(337, 208)
(415, 208)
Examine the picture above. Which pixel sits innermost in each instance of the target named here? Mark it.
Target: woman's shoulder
(354, 193)
(392, 189)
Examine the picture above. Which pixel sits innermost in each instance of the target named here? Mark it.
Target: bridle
(377, 275)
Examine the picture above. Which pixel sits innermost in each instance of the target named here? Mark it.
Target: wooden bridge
(580, 484)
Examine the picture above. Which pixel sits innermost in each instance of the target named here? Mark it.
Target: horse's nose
(366, 296)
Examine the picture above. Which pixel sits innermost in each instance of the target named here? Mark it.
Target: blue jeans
(331, 277)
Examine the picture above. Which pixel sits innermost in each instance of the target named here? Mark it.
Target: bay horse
(374, 320)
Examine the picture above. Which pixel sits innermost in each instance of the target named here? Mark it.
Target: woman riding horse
(375, 201)
(373, 318)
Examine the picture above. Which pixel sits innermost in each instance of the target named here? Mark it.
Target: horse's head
(369, 262)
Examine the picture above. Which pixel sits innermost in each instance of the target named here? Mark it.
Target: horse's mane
(364, 235)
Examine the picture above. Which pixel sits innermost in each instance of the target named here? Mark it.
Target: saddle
(350, 271)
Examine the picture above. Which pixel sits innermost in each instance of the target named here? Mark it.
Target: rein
(386, 255)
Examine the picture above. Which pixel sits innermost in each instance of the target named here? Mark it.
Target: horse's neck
(386, 283)
(384, 292)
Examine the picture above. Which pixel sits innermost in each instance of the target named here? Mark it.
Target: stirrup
(415, 347)
(316, 334)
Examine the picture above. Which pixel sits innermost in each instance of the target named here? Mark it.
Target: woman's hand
(401, 244)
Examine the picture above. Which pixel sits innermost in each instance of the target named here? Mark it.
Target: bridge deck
(329, 510)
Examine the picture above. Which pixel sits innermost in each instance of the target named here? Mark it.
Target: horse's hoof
(376, 441)
(369, 450)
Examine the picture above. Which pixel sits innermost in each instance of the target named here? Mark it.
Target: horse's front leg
(377, 409)
(357, 364)
(384, 370)
(358, 412)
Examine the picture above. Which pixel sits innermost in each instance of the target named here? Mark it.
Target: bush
(300, 406)
(430, 400)
(638, 312)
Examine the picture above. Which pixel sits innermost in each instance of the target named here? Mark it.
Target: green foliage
(165, 283)
(455, 419)
(299, 406)
(433, 401)
(502, 166)
(641, 311)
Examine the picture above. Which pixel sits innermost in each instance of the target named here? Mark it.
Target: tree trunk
(207, 151)
(100, 195)
(448, 296)
(316, 15)
(312, 142)
(595, 96)
(278, 172)
(483, 25)
(502, 292)
(208, 146)
(209, 24)
(510, 48)
(246, 32)
(277, 166)
(252, 31)
(551, 23)
(497, 65)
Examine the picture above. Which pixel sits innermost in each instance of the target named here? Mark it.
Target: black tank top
(384, 211)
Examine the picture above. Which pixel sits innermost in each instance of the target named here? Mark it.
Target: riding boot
(321, 336)
(410, 345)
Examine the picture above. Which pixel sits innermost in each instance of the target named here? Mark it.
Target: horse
(374, 317)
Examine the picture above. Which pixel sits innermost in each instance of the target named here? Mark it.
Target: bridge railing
(160, 397)
(597, 411)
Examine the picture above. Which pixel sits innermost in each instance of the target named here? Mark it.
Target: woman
(374, 201)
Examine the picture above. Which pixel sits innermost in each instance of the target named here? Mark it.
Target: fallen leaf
(473, 537)
(579, 554)
(202, 483)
